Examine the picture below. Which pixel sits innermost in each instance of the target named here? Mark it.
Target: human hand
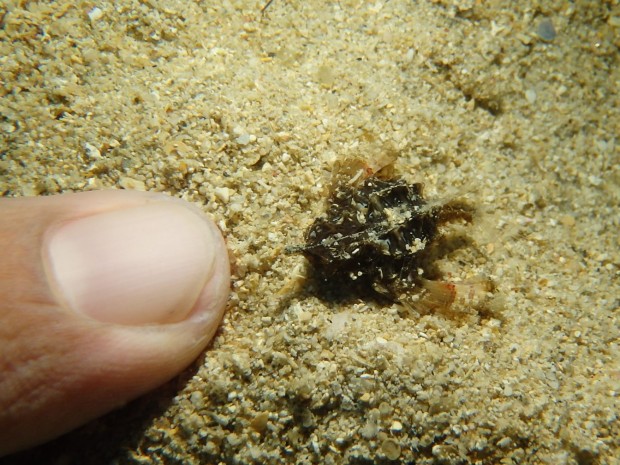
(103, 296)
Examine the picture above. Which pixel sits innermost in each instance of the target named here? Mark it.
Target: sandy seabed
(512, 106)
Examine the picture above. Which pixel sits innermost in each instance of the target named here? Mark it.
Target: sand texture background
(512, 106)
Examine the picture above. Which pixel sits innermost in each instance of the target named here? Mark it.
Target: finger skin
(60, 369)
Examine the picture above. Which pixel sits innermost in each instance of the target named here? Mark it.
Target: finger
(103, 296)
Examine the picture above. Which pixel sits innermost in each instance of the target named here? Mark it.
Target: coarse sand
(511, 106)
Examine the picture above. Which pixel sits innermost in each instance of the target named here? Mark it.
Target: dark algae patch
(376, 237)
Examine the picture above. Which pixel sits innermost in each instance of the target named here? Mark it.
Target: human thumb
(103, 296)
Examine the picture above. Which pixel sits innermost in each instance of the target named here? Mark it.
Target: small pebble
(92, 151)
(234, 439)
(595, 180)
(130, 183)
(369, 430)
(397, 426)
(222, 193)
(197, 399)
(530, 96)
(235, 207)
(95, 14)
(391, 449)
(504, 442)
(243, 139)
(385, 409)
(568, 220)
(546, 30)
(259, 422)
